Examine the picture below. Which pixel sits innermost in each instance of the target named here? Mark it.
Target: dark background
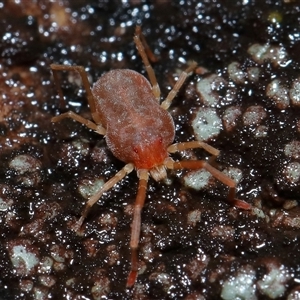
(40, 203)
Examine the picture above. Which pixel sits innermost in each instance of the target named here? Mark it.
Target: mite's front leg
(107, 185)
(202, 164)
(136, 226)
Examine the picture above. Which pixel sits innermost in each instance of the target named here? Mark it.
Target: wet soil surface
(244, 99)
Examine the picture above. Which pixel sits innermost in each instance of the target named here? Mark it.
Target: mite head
(150, 155)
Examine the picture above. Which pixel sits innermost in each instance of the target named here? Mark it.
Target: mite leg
(136, 226)
(98, 128)
(167, 102)
(91, 100)
(107, 185)
(149, 53)
(199, 164)
(145, 52)
(193, 144)
(196, 144)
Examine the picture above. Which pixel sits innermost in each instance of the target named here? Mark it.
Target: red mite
(126, 109)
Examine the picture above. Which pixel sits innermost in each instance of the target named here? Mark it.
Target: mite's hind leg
(98, 128)
(136, 226)
(167, 102)
(107, 185)
(91, 100)
(140, 35)
(201, 164)
(145, 52)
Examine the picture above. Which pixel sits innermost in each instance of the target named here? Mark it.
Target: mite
(139, 131)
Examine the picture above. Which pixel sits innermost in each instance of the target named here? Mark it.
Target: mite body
(138, 129)
(126, 108)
